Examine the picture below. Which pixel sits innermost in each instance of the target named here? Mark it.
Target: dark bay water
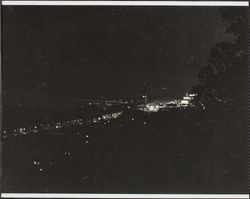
(164, 152)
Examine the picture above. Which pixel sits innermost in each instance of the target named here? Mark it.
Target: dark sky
(93, 52)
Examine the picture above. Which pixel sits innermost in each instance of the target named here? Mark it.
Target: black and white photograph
(124, 99)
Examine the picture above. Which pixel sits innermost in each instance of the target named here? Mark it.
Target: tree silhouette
(224, 78)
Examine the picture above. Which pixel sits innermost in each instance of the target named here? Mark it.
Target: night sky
(94, 52)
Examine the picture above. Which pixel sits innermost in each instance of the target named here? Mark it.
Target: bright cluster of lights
(186, 101)
(112, 116)
(152, 108)
(149, 108)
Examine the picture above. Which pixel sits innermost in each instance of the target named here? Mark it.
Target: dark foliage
(223, 81)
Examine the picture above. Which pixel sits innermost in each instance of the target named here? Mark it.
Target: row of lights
(59, 125)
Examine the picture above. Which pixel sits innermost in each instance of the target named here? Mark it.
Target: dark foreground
(167, 152)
